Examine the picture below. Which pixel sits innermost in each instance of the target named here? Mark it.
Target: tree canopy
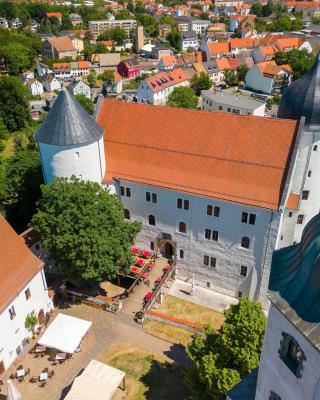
(174, 39)
(14, 110)
(221, 360)
(201, 82)
(85, 102)
(117, 34)
(183, 97)
(299, 60)
(83, 227)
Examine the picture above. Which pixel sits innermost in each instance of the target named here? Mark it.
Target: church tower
(71, 142)
(301, 101)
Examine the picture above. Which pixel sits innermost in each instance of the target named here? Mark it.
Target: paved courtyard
(106, 329)
(202, 296)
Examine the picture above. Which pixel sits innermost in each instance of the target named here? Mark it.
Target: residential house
(264, 53)
(51, 83)
(291, 43)
(268, 77)
(58, 48)
(35, 87)
(26, 76)
(164, 30)
(199, 26)
(97, 27)
(156, 89)
(117, 85)
(223, 101)
(72, 69)
(37, 107)
(55, 14)
(217, 50)
(23, 291)
(33, 25)
(42, 69)
(189, 40)
(129, 68)
(61, 70)
(104, 62)
(159, 51)
(242, 45)
(166, 63)
(76, 41)
(4, 23)
(15, 23)
(75, 18)
(79, 87)
(214, 73)
(183, 23)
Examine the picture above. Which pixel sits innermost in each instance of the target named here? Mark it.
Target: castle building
(213, 190)
(289, 365)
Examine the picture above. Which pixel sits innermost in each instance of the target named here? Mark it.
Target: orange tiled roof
(168, 61)
(219, 47)
(269, 50)
(117, 76)
(61, 66)
(230, 157)
(302, 4)
(56, 14)
(238, 43)
(290, 42)
(61, 44)
(83, 64)
(270, 68)
(163, 80)
(293, 201)
(222, 63)
(18, 265)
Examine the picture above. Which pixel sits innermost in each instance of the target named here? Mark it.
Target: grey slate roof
(246, 388)
(302, 98)
(231, 99)
(68, 123)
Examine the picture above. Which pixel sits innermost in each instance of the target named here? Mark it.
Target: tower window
(181, 254)
(182, 227)
(154, 198)
(309, 173)
(290, 214)
(152, 220)
(77, 154)
(151, 245)
(240, 294)
(243, 270)
(213, 262)
(315, 147)
(300, 219)
(305, 194)
(128, 192)
(148, 196)
(122, 191)
(245, 242)
(183, 204)
(291, 354)
(206, 260)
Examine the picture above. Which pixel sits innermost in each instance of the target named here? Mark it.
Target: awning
(97, 381)
(65, 333)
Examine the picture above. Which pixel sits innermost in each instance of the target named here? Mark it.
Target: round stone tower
(70, 142)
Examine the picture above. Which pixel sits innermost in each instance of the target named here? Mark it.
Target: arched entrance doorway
(167, 249)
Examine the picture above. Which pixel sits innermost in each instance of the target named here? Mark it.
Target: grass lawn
(149, 376)
(192, 312)
(167, 332)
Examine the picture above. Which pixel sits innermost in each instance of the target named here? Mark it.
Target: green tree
(201, 82)
(88, 50)
(117, 34)
(149, 23)
(20, 180)
(101, 48)
(92, 78)
(174, 39)
(267, 9)
(14, 110)
(230, 77)
(167, 20)
(30, 322)
(83, 227)
(108, 81)
(221, 360)
(256, 9)
(299, 60)
(242, 71)
(183, 97)
(85, 102)
(16, 57)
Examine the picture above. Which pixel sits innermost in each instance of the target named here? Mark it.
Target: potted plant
(139, 317)
(30, 322)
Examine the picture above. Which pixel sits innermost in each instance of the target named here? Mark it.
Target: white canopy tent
(97, 381)
(65, 333)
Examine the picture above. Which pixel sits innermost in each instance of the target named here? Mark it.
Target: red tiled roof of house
(117, 76)
(219, 48)
(61, 44)
(289, 42)
(270, 68)
(293, 201)
(269, 50)
(83, 64)
(61, 66)
(56, 14)
(242, 159)
(168, 61)
(18, 265)
(241, 43)
(222, 63)
(163, 80)
(302, 4)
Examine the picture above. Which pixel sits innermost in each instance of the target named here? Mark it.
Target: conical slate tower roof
(302, 98)
(68, 123)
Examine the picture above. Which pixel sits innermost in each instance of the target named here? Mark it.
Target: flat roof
(231, 99)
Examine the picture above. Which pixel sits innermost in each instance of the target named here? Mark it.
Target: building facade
(97, 27)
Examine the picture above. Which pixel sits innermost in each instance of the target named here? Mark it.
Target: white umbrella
(13, 392)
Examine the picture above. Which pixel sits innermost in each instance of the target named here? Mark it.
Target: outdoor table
(139, 262)
(61, 356)
(20, 373)
(40, 349)
(166, 268)
(148, 296)
(145, 254)
(134, 250)
(158, 280)
(134, 270)
(43, 376)
(150, 266)
(144, 275)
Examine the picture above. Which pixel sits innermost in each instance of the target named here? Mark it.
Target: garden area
(149, 376)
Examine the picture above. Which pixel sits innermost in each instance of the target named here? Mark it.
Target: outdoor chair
(12, 376)
(20, 367)
(46, 370)
(21, 379)
(27, 371)
(35, 355)
(54, 362)
(42, 384)
(33, 379)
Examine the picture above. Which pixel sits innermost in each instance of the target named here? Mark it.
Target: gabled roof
(289, 42)
(242, 43)
(235, 158)
(219, 47)
(61, 44)
(270, 68)
(18, 265)
(164, 80)
(168, 61)
(67, 123)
